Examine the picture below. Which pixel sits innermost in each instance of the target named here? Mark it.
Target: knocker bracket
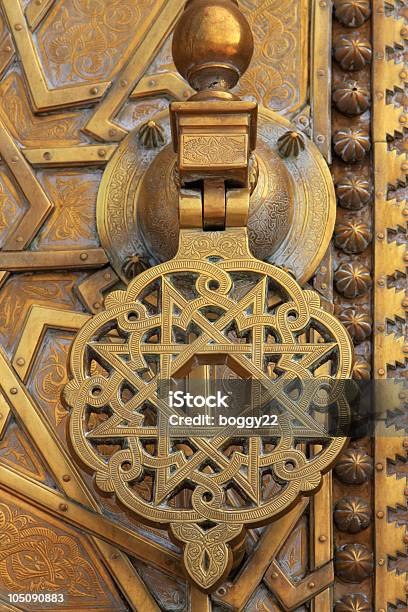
(213, 141)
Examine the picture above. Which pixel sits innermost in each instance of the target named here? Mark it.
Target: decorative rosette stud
(291, 144)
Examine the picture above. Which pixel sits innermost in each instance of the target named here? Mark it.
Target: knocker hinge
(213, 206)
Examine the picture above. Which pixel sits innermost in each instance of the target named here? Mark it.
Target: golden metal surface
(43, 97)
(71, 484)
(292, 596)
(321, 77)
(101, 124)
(91, 290)
(39, 319)
(52, 260)
(291, 210)
(212, 44)
(200, 601)
(138, 76)
(245, 583)
(196, 249)
(5, 413)
(102, 529)
(78, 570)
(92, 155)
(40, 204)
(36, 11)
(213, 141)
(390, 304)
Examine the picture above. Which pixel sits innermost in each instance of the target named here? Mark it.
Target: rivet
(404, 32)
(403, 74)
(320, 138)
(311, 585)
(405, 212)
(114, 556)
(379, 55)
(20, 239)
(380, 514)
(93, 91)
(66, 478)
(322, 538)
(13, 390)
(404, 303)
(123, 83)
(401, 395)
(321, 72)
(404, 167)
(107, 276)
(380, 236)
(381, 283)
(274, 575)
(38, 2)
(405, 444)
(96, 305)
(152, 83)
(381, 371)
(18, 27)
(381, 561)
(8, 49)
(83, 256)
(20, 361)
(380, 328)
(186, 94)
(403, 119)
(63, 507)
(379, 466)
(405, 539)
(112, 132)
(323, 4)
(379, 194)
(405, 348)
(379, 95)
(101, 152)
(15, 159)
(323, 270)
(47, 155)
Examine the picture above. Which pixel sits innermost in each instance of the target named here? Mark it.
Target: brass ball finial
(212, 44)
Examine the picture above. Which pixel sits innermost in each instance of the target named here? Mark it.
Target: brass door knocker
(213, 303)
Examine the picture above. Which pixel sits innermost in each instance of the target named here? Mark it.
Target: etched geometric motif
(214, 303)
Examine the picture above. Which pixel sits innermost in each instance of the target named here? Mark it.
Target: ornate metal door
(93, 196)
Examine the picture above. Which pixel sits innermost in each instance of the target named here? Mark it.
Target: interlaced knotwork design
(213, 301)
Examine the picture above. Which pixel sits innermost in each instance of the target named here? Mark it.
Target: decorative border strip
(390, 74)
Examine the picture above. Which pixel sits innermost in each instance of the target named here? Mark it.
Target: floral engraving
(216, 150)
(87, 39)
(275, 77)
(34, 558)
(52, 376)
(73, 219)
